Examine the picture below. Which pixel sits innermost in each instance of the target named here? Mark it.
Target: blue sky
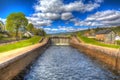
(56, 16)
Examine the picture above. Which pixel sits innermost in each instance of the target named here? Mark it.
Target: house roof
(103, 31)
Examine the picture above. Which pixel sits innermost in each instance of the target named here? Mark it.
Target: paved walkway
(7, 56)
(110, 51)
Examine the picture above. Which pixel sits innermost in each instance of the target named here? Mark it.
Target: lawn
(20, 44)
(95, 42)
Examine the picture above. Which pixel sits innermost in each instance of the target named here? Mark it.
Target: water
(66, 63)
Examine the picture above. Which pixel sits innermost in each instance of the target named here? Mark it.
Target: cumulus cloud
(46, 11)
(67, 29)
(50, 16)
(43, 23)
(80, 6)
(57, 6)
(62, 29)
(66, 16)
(44, 6)
(39, 22)
(105, 15)
(106, 18)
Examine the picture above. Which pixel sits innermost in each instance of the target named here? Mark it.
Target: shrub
(1, 36)
(118, 42)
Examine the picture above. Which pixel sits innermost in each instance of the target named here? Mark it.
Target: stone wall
(109, 56)
(14, 66)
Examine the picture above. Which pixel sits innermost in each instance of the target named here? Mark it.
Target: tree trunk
(16, 34)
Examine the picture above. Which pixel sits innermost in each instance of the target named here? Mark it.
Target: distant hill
(64, 33)
(115, 29)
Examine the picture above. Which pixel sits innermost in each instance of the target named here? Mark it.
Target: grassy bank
(20, 44)
(95, 42)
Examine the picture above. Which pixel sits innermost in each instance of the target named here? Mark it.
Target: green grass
(95, 42)
(6, 39)
(20, 44)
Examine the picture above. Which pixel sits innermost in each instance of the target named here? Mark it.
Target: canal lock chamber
(60, 61)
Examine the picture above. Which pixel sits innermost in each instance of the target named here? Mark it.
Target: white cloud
(50, 16)
(55, 9)
(105, 15)
(66, 16)
(57, 6)
(32, 19)
(70, 28)
(91, 7)
(39, 22)
(62, 29)
(53, 6)
(102, 19)
(43, 23)
(99, 1)
(66, 28)
(51, 30)
(80, 6)
(46, 11)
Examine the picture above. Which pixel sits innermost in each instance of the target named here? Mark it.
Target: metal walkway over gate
(60, 40)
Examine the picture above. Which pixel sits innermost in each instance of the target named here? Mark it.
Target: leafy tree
(2, 27)
(39, 31)
(43, 33)
(30, 27)
(15, 21)
(36, 31)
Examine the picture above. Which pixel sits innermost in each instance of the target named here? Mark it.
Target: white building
(117, 38)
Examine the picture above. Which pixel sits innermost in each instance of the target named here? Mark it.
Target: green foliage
(35, 31)
(2, 27)
(30, 27)
(94, 42)
(1, 36)
(20, 44)
(116, 29)
(15, 21)
(118, 42)
(25, 37)
(39, 32)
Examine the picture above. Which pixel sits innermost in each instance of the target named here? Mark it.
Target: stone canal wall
(12, 65)
(109, 56)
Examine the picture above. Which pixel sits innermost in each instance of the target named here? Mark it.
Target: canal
(67, 63)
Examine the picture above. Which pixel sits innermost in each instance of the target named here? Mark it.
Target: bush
(1, 36)
(118, 42)
(26, 37)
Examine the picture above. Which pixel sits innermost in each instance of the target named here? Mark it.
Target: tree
(2, 26)
(15, 21)
(38, 31)
(30, 27)
(43, 33)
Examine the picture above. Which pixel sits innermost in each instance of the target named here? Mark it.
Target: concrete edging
(111, 57)
(12, 67)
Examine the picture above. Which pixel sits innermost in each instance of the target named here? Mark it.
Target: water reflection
(66, 63)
